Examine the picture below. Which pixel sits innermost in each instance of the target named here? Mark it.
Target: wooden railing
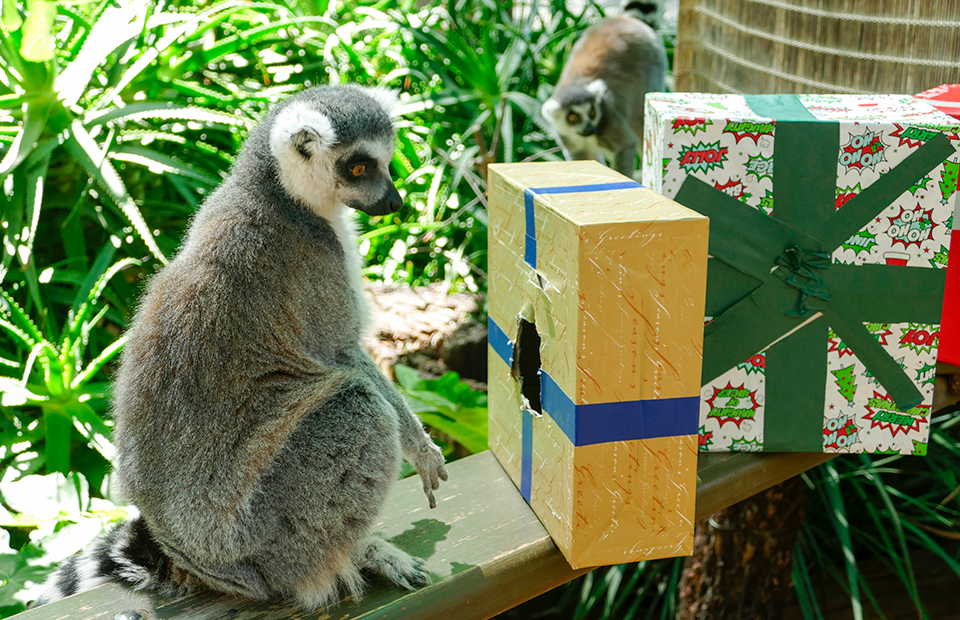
(486, 550)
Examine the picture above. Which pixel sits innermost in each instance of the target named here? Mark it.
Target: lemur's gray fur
(597, 106)
(256, 437)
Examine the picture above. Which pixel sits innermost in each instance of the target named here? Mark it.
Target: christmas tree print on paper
(846, 381)
(950, 179)
(919, 448)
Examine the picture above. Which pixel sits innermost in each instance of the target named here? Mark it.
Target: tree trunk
(743, 558)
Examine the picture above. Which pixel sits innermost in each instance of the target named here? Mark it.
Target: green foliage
(50, 405)
(117, 132)
(17, 571)
(881, 508)
(472, 76)
(448, 405)
(32, 543)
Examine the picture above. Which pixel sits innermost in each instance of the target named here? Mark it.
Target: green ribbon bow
(768, 276)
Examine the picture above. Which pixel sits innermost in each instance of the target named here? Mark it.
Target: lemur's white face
(580, 118)
(323, 173)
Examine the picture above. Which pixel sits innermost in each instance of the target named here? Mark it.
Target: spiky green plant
(53, 402)
(473, 75)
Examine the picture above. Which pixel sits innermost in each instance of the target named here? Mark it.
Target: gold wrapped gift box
(596, 303)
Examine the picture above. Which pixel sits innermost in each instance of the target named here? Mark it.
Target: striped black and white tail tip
(128, 554)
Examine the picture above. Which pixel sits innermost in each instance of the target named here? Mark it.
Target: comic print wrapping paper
(596, 299)
(830, 233)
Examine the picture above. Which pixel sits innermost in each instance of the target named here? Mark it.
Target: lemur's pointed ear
(549, 108)
(388, 99)
(303, 130)
(598, 88)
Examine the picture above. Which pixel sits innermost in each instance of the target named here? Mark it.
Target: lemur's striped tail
(126, 553)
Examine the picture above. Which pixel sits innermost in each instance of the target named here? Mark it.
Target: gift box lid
(904, 109)
(945, 98)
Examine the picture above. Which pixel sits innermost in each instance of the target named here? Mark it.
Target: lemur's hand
(430, 466)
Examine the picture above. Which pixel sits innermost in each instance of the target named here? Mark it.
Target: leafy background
(116, 120)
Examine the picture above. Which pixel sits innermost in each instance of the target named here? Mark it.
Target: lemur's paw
(431, 467)
(398, 566)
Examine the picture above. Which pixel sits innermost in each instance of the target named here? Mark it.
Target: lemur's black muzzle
(389, 203)
(392, 201)
(588, 130)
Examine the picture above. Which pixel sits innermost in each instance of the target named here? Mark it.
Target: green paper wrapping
(823, 334)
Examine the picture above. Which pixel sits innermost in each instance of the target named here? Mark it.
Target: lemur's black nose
(392, 201)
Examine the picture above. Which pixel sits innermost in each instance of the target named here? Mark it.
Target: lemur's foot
(396, 565)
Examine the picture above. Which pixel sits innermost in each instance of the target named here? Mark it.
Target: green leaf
(10, 18)
(88, 422)
(35, 181)
(248, 37)
(96, 290)
(99, 267)
(45, 353)
(34, 120)
(112, 29)
(58, 430)
(470, 436)
(408, 377)
(150, 55)
(72, 353)
(85, 151)
(166, 111)
(841, 524)
(105, 356)
(161, 164)
(10, 307)
(16, 572)
(93, 466)
(18, 334)
(37, 45)
(11, 388)
(806, 595)
(11, 216)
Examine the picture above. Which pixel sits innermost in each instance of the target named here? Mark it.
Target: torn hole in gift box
(541, 282)
(525, 368)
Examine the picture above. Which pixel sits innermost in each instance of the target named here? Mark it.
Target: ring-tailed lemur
(256, 437)
(597, 106)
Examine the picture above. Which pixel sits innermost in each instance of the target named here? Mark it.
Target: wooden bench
(485, 548)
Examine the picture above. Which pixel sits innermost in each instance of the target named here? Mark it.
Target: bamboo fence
(817, 46)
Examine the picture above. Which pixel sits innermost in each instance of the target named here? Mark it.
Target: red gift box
(950, 321)
(946, 98)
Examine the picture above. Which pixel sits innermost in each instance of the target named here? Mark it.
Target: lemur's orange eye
(358, 169)
(573, 118)
(593, 113)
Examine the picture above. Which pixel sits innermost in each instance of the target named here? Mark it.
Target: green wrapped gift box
(829, 241)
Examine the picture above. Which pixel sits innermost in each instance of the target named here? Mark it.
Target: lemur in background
(597, 106)
(256, 437)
